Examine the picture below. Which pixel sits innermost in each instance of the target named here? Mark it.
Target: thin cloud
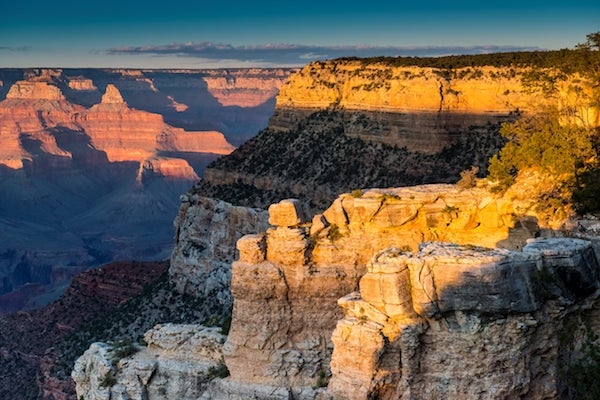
(295, 54)
(12, 48)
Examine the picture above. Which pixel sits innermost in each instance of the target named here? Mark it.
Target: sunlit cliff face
(35, 109)
(246, 89)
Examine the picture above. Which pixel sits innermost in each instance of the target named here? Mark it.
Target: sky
(230, 33)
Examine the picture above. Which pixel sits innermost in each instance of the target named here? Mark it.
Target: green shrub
(322, 378)
(334, 233)
(357, 193)
(124, 349)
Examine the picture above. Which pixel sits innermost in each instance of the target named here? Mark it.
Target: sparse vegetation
(357, 193)
(468, 178)
(450, 209)
(319, 157)
(158, 303)
(390, 197)
(566, 60)
(123, 349)
(579, 373)
(218, 371)
(109, 380)
(559, 143)
(334, 233)
(322, 378)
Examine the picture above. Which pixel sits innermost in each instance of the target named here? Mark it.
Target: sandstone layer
(206, 231)
(178, 362)
(245, 88)
(287, 282)
(424, 109)
(33, 110)
(127, 134)
(462, 322)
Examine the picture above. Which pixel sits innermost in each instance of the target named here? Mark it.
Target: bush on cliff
(566, 152)
(561, 144)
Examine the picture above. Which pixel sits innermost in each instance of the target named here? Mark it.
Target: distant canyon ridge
(92, 163)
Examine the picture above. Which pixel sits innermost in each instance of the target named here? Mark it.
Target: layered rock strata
(206, 232)
(463, 322)
(245, 88)
(178, 362)
(30, 109)
(34, 111)
(128, 134)
(287, 282)
(424, 109)
(315, 316)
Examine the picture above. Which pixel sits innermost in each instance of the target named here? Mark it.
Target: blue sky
(198, 34)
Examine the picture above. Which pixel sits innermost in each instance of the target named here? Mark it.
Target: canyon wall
(236, 102)
(344, 124)
(335, 297)
(371, 300)
(206, 231)
(424, 109)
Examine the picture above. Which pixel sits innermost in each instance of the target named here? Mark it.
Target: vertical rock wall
(442, 321)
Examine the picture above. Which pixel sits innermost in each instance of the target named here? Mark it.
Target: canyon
(369, 299)
(344, 124)
(363, 280)
(92, 163)
(430, 291)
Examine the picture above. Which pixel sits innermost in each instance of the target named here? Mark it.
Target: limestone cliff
(418, 314)
(245, 88)
(423, 108)
(178, 362)
(465, 322)
(206, 233)
(365, 301)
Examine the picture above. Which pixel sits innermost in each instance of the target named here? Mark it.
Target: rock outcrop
(245, 88)
(25, 90)
(81, 83)
(30, 109)
(418, 312)
(126, 134)
(463, 322)
(424, 109)
(178, 362)
(206, 232)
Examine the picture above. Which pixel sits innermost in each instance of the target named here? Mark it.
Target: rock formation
(30, 109)
(177, 363)
(126, 134)
(417, 315)
(245, 88)
(463, 322)
(206, 232)
(424, 109)
(81, 83)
